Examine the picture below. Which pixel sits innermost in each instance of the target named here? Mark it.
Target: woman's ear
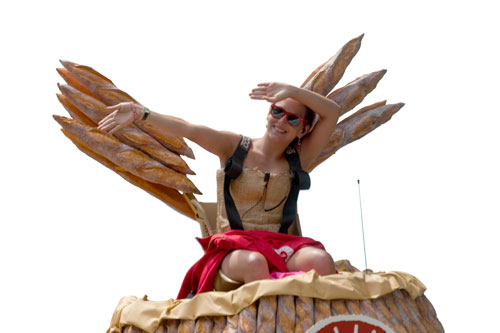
(304, 131)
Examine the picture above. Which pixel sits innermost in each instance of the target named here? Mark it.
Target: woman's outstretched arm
(220, 143)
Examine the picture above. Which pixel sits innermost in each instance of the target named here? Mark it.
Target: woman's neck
(272, 150)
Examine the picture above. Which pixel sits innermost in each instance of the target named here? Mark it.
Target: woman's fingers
(106, 126)
(108, 117)
(264, 91)
(258, 94)
(110, 127)
(114, 107)
(105, 121)
(263, 97)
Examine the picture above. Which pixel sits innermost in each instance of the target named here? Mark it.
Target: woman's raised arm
(328, 112)
(220, 143)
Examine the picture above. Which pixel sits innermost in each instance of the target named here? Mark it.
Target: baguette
(74, 112)
(314, 72)
(353, 93)
(87, 75)
(247, 320)
(203, 325)
(285, 321)
(338, 307)
(126, 157)
(355, 127)
(72, 81)
(168, 195)
(322, 309)
(231, 323)
(332, 71)
(266, 314)
(131, 135)
(109, 94)
(219, 324)
(304, 313)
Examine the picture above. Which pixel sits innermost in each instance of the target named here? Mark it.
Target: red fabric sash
(201, 276)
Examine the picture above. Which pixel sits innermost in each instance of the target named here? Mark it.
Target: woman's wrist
(142, 113)
(296, 93)
(145, 113)
(134, 111)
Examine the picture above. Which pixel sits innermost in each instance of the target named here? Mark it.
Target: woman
(288, 123)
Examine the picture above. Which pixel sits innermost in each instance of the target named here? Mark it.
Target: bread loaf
(322, 309)
(248, 319)
(356, 126)
(109, 94)
(304, 313)
(332, 71)
(285, 321)
(266, 314)
(168, 195)
(354, 92)
(74, 112)
(131, 135)
(129, 158)
(72, 81)
(204, 325)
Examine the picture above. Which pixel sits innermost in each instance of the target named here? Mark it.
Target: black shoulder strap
(233, 168)
(299, 181)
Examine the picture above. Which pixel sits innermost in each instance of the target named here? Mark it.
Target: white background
(75, 237)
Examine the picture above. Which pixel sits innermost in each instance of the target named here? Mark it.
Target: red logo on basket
(350, 324)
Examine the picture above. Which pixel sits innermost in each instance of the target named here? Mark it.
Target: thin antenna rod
(362, 226)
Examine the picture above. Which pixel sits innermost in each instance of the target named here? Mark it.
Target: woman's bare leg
(245, 266)
(308, 258)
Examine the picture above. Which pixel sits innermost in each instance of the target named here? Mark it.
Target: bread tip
(66, 63)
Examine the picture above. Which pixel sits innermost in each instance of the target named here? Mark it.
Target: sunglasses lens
(293, 120)
(276, 112)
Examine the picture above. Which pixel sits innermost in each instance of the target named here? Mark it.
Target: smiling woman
(256, 186)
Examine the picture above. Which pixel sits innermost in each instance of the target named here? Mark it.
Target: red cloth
(276, 247)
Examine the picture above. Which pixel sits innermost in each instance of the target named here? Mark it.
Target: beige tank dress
(258, 196)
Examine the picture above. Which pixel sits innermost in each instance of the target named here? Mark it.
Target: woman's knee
(245, 266)
(323, 263)
(312, 258)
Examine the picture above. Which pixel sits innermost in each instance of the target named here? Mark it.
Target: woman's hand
(272, 91)
(122, 115)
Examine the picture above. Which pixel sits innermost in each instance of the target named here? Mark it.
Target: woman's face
(281, 129)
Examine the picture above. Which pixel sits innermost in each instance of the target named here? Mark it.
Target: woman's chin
(279, 136)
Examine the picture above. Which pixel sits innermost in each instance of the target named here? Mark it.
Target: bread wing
(324, 78)
(104, 90)
(144, 157)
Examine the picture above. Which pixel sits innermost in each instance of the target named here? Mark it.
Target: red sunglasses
(278, 113)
